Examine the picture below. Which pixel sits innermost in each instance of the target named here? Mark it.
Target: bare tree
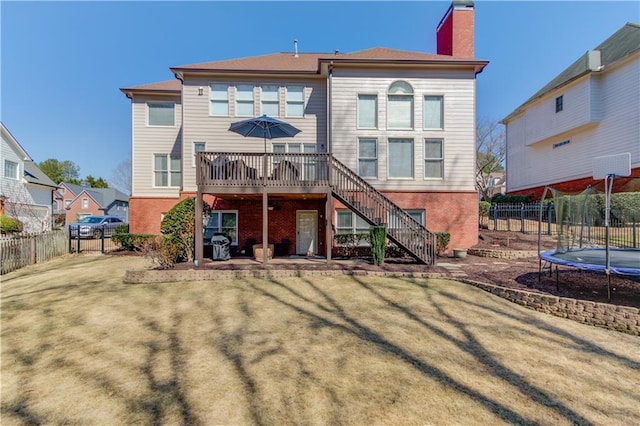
(121, 177)
(491, 150)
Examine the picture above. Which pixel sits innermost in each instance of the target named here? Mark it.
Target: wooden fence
(20, 251)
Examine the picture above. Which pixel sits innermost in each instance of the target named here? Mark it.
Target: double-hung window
(559, 103)
(295, 101)
(396, 220)
(400, 158)
(10, 169)
(167, 170)
(433, 159)
(400, 106)
(433, 112)
(219, 100)
(368, 157)
(244, 100)
(161, 114)
(223, 222)
(348, 222)
(305, 166)
(85, 203)
(367, 111)
(270, 100)
(197, 147)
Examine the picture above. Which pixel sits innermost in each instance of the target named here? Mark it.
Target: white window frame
(169, 172)
(264, 101)
(85, 204)
(390, 160)
(150, 105)
(411, 212)
(196, 150)
(354, 228)
(409, 96)
(67, 204)
(15, 165)
(434, 159)
(359, 110)
(373, 159)
(424, 112)
(290, 101)
(219, 213)
(218, 100)
(241, 100)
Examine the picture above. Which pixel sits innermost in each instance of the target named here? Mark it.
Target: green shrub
(9, 225)
(442, 242)
(179, 226)
(512, 199)
(484, 208)
(122, 229)
(131, 242)
(377, 237)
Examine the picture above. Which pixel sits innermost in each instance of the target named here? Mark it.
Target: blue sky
(62, 63)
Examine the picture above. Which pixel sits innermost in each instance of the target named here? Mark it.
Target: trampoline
(621, 261)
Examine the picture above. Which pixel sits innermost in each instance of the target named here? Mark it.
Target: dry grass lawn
(81, 347)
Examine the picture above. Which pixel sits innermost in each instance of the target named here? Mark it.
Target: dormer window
(400, 106)
(559, 103)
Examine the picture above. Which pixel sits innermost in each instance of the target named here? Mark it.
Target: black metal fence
(525, 217)
(98, 240)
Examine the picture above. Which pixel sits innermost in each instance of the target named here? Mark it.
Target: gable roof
(621, 44)
(34, 175)
(103, 196)
(13, 142)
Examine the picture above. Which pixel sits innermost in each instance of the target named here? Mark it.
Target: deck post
(265, 227)
(328, 214)
(198, 228)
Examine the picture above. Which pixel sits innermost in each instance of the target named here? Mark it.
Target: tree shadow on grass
(355, 328)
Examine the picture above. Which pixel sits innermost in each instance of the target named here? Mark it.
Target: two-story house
(386, 137)
(78, 201)
(26, 192)
(590, 110)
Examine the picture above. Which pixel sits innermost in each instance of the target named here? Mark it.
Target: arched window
(400, 106)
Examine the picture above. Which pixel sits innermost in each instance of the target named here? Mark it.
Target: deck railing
(232, 169)
(220, 171)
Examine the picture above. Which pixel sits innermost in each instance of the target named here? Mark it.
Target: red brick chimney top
(454, 34)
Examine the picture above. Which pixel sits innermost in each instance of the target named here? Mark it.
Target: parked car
(94, 226)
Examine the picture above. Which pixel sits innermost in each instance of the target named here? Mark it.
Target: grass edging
(625, 319)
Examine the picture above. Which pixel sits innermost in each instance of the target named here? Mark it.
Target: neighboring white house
(403, 121)
(26, 191)
(589, 110)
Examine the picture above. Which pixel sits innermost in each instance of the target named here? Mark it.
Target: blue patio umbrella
(264, 127)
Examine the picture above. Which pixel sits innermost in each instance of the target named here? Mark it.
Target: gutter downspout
(329, 148)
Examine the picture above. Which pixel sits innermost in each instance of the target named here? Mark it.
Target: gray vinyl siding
(613, 99)
(150, 140)
(200, 126)
(458, 91)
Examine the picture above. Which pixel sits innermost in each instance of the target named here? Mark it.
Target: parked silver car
(94, 226)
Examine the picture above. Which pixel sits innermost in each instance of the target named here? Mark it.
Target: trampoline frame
(548, 255)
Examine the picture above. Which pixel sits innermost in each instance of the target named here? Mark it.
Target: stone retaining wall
(502, 254)
(169, 275)
(620, 318)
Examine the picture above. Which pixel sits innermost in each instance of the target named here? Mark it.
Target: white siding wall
(31, 204)
(542, 120)
(150, 140)
(200, 126)
(458, 89)
(615, 102)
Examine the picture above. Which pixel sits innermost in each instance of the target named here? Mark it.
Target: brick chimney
(454, 35)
